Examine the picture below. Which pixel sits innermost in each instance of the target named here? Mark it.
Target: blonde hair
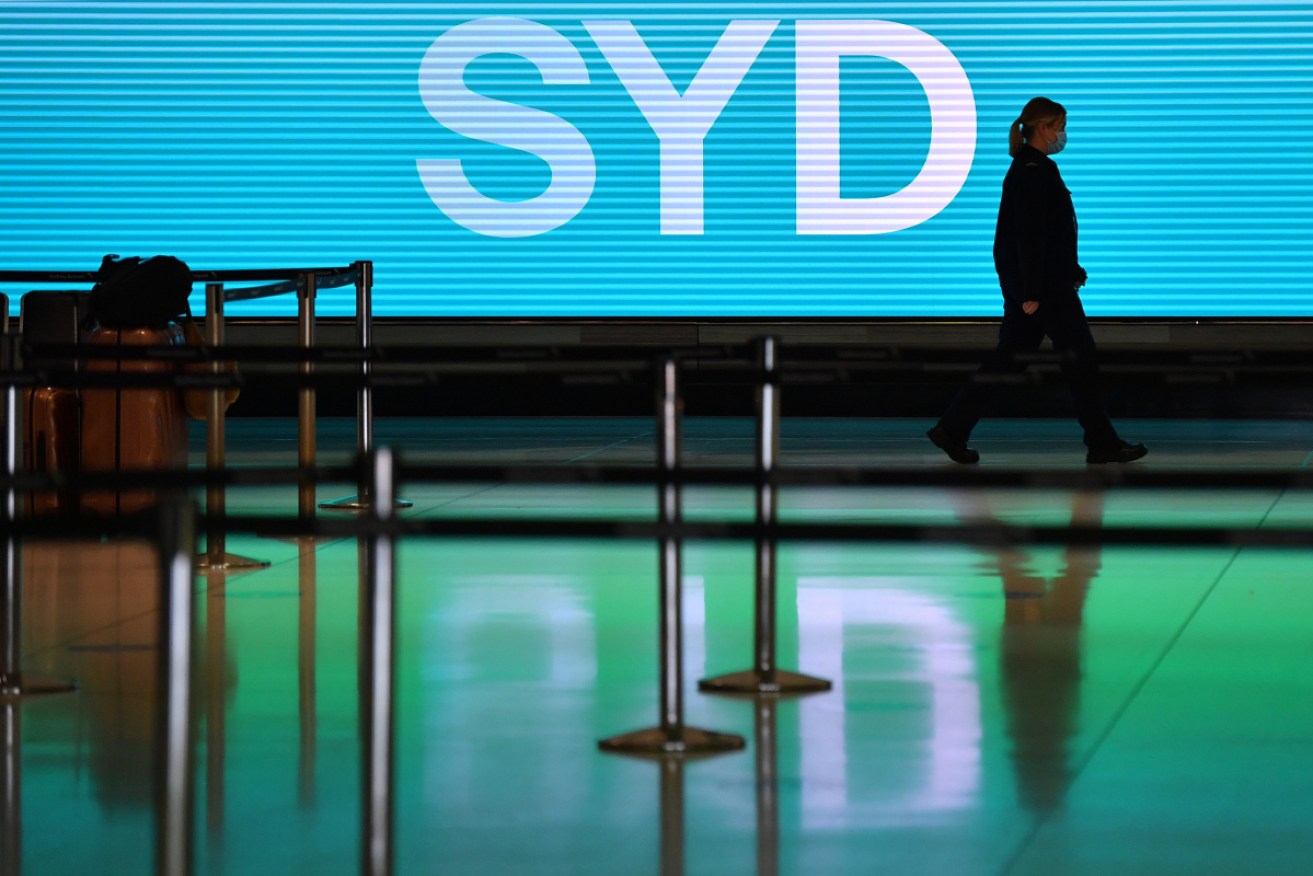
(1036, 111)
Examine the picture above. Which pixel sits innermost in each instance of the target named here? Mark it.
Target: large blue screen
(663, 159)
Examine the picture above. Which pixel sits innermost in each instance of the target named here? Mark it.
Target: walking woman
(1035, 256)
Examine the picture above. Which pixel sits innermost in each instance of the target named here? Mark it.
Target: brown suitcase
(51, 432)
(51, 435)
(131, 429)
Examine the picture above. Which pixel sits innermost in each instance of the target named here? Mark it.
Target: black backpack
(140, 293)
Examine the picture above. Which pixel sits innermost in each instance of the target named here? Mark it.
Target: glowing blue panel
(663, 159)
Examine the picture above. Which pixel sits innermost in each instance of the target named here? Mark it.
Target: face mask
(1059, 144)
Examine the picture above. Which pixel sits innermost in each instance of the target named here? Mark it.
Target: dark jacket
(1035, 239)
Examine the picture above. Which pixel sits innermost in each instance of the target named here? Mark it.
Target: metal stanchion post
(216, 558)
(13, 682)
(11, 760)
(671, 736)
(306, 396)
(764, 677)
(174, 800)
(10, 625)
(377, 668)
(365, 395)
(365, 339)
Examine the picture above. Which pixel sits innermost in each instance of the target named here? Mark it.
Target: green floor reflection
(1017, 711)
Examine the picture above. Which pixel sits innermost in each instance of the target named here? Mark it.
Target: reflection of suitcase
(51, 442)
(51, 432)
(127, 429)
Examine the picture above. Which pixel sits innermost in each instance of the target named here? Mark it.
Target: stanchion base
(752, 681)
(681, 741)
(307, 539)
(355, 503)
(27, 686)
(229, 563)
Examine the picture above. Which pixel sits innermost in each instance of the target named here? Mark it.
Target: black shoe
(956, 450)
(1121, 452)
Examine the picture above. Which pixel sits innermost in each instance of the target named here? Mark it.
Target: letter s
(551, 138)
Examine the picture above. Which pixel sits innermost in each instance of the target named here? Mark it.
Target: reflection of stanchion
(305, 662)
(764, 677)
(365, 395)
(11, 790)
(671, 736)
(174, 782)
(215, 557)
(672, 816)
(216, 713)
(377, 661)
(768, 787)
(13, 682)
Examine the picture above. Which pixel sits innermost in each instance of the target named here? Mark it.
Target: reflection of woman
(1035, 256)
(1040, 654)
(1041, 663)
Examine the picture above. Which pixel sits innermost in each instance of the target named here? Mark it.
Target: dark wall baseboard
(924, 396)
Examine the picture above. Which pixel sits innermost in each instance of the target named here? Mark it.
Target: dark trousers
(1063, 321)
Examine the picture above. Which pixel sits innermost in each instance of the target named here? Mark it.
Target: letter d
(820, 44)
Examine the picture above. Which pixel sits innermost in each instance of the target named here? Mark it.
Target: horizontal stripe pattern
(248, 134)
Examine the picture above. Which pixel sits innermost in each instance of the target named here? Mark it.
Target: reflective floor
(1029, 711)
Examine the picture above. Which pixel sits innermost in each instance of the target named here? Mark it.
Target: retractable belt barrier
(304, 283)
(796, 364)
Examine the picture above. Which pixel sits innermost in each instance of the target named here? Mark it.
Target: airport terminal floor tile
(995, 710)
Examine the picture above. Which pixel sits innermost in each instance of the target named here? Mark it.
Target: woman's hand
(1029, 307)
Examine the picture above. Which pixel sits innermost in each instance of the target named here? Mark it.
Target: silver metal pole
(377, 667)
(216, 557)
(306, 397)
(13, 682)
(670, 737)
(10, 626)
(11, 783)
(215, 498)
(764, 677)
(671, 630)
(364, 339)
(175, 782)
(768, 451)
(365, 395)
